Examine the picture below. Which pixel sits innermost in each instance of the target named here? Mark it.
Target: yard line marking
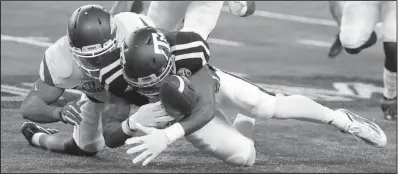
(25, 40)
(43, 43)
(73, 91)
(224, 42)
(289, 17)
(314, 43)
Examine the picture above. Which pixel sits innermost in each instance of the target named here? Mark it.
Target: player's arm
(115, 121)
(205, 107)
(36, 106)
(118, 124)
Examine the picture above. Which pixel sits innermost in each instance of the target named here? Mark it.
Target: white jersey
(58, 67)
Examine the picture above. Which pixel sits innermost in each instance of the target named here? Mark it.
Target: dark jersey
(191, 54)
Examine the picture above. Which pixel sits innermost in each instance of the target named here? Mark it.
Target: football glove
(70, 113)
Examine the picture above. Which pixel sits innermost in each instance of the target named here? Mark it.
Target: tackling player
(73, 62)
(147, 61)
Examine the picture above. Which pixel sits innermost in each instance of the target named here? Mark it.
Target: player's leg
(127, 6)
(389, 101)
(167, 14)
(219, 139)
(201, 17)
(357, 24)
(336, 10)
(256, 102)
(88, 135)
(76, 145)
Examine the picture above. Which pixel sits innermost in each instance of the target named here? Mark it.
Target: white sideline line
(25, 40)
(225, 42)
(34, 41)
(289, 17)
(73, 91)
(314, 43)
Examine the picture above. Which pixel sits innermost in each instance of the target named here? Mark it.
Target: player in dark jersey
(149, 56)
(190, 52)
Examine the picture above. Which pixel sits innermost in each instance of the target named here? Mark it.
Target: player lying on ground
(143, 68)
(356, 22)
(67, 64)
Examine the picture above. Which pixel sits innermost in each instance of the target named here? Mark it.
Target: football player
(73, 62)
(198, 16)
(358, 20)
(147, 61)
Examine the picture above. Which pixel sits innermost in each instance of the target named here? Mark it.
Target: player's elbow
(27, 108)
(110, 143)
(113, 139)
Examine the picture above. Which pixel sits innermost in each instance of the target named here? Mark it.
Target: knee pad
(390, 50)
(72, 148)
(354, 45)
(243, 159)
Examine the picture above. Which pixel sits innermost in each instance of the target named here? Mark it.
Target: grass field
(280, 53)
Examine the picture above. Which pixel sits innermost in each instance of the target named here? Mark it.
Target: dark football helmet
(146, 60)
(92, 38)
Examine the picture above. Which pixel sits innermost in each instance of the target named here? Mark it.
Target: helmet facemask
(89, 58)
(149, 86)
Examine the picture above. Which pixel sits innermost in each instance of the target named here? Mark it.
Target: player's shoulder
(184, 37)
(59, 58)
(58, 63)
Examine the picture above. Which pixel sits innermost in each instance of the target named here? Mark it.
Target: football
(177, 95)
(242, 8)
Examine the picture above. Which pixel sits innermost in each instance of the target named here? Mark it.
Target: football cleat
(389, 108)
(365, 129)
(28, 129)
(336, 48)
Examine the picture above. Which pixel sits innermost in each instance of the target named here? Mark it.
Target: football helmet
(92, 38)
(146, 60)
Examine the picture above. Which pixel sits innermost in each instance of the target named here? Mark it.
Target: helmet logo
(112, 25)
(184, 72)
(160, 44)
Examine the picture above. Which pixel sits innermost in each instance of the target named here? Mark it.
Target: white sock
(245, 125)
(338, 119)
(390, 84)
(36, 138)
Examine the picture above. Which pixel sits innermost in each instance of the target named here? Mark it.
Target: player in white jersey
(357, 21)
(198, 16)
(68, 64)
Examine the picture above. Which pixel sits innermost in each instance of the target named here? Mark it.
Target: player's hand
(70, 113)
(150, 115)
(152, 144)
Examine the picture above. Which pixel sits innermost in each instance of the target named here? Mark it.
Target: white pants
(360, 18)
(245, 97)
(199, 16)
(220, 139)
(88, 135)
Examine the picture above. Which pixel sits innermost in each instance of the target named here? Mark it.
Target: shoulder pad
(58, 63)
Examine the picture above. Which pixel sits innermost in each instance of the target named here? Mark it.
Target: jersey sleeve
(205, 107)
(56, 66)
(111, 77)
(190, 50)
(44, 72)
